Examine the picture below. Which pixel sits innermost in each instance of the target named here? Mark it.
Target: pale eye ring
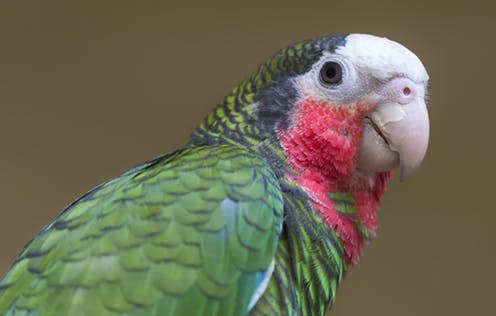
(331, 73)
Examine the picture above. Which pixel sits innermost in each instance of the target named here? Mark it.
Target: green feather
(156, 241)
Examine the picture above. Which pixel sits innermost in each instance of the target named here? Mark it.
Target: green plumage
(185, 234)
(309, 263)
(192, 232)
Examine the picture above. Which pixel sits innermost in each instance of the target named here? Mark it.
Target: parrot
(265, 209)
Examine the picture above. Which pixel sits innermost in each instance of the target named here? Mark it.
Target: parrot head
(359, 108)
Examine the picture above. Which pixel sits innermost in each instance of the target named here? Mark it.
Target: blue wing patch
(262, 282)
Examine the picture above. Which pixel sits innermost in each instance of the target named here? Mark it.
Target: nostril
(401, 90)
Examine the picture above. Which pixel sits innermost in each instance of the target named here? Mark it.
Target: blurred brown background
(89, 89)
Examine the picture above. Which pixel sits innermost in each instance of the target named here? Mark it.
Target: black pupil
(331, 73)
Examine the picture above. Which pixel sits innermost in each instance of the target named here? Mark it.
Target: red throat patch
(321, 145)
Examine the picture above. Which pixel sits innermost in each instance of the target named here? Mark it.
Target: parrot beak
(395, 134)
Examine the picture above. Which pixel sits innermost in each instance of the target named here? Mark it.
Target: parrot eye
(331, 73)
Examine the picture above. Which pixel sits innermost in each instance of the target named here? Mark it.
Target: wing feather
(188, 233)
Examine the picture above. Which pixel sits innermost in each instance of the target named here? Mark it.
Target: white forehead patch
(382, 58)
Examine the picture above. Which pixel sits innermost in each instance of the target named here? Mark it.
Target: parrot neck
(320, 145)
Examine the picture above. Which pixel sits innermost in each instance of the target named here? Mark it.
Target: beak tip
(414, 138)
(407, 170)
